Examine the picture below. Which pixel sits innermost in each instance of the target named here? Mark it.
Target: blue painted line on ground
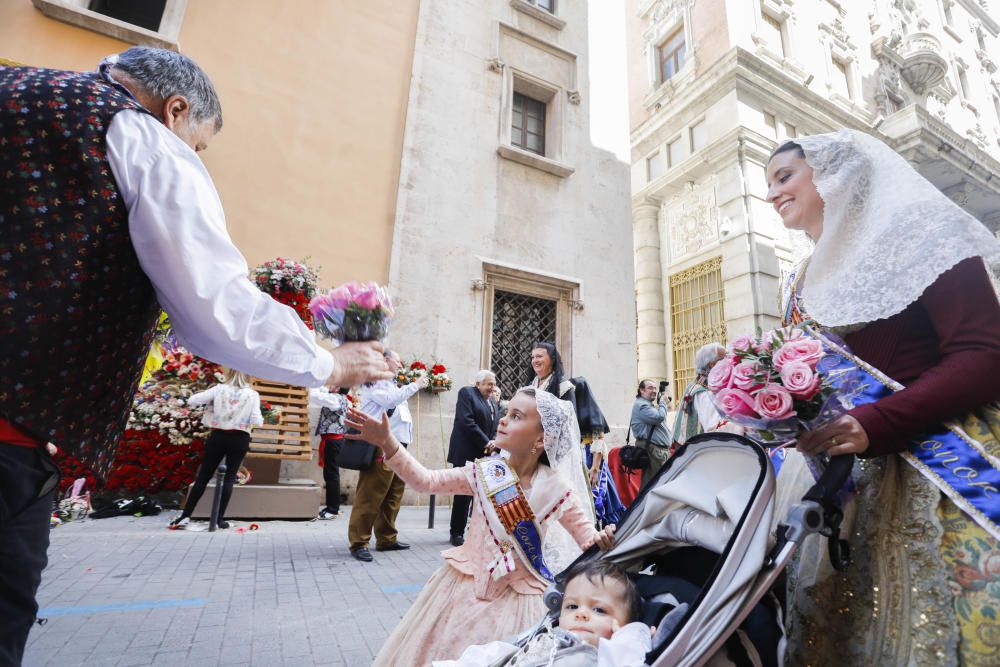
(403, 588)
(124, 606)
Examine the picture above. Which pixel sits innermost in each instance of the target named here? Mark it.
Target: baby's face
(592, 610)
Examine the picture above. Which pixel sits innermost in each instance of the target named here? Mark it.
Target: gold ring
(833, 441)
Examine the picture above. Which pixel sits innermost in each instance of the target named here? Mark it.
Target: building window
(996, 107)
(696, 317)
(547, 5)
(841, 74)
(963, 82)
(772, 124)
(146, 22)
(773, 33)
(519, 321)
(655, 166)
(949, 18)
(675, 153)
(791, 131)
(143, 13)
(527, 128)
(671, 54)
(698, 136)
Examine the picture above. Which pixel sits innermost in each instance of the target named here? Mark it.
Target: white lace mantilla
(888, 233)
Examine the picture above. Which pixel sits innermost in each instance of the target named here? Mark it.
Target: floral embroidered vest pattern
(76, 311)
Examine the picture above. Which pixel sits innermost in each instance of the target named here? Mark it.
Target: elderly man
(649, 426)
(380, 490)
(477, 415)
(696, 412)
(107, 215)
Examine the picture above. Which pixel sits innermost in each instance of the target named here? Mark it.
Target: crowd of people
(897, 270)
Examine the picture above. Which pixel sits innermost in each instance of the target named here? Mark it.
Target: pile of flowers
(439, 380)
(271, 413)
(289, 282)
(353, 312)
(411, 373)
(771, 384)
(182, 366)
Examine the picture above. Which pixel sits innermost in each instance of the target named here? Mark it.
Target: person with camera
(649, 426)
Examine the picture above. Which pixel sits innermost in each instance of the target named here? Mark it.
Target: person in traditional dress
(528, 524)
(333, 403)
(548, 375)
(697, 412)
(126, 220)
(902, 275)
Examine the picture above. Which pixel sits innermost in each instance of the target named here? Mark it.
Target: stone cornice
(977, 10)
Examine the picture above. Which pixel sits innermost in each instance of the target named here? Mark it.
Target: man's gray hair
(484, 375)
(706, 356)
(163, 73)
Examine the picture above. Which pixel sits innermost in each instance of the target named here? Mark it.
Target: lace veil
(562, 446)
(888, 233)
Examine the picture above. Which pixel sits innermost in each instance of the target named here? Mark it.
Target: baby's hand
(606, 538)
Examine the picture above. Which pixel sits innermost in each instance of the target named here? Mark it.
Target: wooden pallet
(289, 439)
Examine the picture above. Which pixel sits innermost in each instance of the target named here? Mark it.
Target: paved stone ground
(126, 591)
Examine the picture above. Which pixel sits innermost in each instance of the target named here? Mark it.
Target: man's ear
(174, 108)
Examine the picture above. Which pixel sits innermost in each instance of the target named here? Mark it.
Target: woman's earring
(534, 450)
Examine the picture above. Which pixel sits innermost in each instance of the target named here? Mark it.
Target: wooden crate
(289, 439)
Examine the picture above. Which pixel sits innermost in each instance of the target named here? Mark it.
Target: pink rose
(367, 298)
(800, 380)
(735, 402)
(742, 343)
(743, 376)
(773, 402)
(806, 350)
(339, 298)
(353, 287)
(719, 376)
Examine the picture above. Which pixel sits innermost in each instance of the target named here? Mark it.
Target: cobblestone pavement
(126, 591)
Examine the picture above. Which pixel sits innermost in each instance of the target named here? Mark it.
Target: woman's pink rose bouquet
(774, 384)
(353, 312)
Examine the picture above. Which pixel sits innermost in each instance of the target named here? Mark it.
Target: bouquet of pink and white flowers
(774, 384)
(353, 312)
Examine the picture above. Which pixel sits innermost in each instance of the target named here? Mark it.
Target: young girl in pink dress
(527, 525)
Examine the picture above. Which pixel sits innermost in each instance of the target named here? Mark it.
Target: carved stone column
(651, 334)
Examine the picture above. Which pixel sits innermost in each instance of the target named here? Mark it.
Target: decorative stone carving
(696, 226)
(958, 193)
(478, 285)
(977, 135)
(573, 96)
(923, 66)
(576, 304)
(496, 65)
(666, 8)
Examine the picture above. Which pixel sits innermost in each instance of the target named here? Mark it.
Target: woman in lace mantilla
(904, 276)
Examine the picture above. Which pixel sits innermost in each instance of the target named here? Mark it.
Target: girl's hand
(606, 538)
(844, 435)
(595, 472)
(368, 428)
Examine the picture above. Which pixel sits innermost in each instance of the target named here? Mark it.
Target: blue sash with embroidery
(957, 464)
(503, 494)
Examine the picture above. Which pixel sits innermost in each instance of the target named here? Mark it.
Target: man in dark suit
(477, 415)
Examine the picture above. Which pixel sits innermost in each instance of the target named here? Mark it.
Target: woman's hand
(844, 435)
(606, 538)
(371, 430)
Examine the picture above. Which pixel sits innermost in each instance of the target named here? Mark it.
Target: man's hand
(357, 363)
(423, 381)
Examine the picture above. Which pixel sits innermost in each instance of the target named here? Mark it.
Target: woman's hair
(530, 391)
(788, 146)
(236, 378)
(706, 356)
(598, 571)
(557, 367)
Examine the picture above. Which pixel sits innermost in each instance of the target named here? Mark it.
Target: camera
(663, 385)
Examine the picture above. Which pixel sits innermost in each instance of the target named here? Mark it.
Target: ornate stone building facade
(511, 227)
(715, 85)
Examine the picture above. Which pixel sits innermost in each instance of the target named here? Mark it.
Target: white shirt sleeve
(178, 230)
(626, 648)
(708, 415)
(203, 397)
(386, 395)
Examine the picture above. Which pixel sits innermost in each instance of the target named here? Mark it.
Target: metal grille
(696, 317)
(519, 321)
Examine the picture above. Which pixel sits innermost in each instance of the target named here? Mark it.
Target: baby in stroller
(598, 625)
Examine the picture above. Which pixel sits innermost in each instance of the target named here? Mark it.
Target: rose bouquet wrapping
(775, 384)
(353, 312)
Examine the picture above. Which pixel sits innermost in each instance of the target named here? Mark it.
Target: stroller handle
(829, 484)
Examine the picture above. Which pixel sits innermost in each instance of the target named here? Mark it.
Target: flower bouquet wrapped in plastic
(780, 384)
(353, 312)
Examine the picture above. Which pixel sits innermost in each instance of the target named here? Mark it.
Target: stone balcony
(923, 66)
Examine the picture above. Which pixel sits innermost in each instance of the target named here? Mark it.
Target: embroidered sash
(509, 517)
(957, 464)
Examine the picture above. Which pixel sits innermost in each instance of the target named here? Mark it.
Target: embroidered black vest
(76, 311)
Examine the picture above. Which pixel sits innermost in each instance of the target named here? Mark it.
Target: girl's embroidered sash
(510, 519)
(957, 464)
